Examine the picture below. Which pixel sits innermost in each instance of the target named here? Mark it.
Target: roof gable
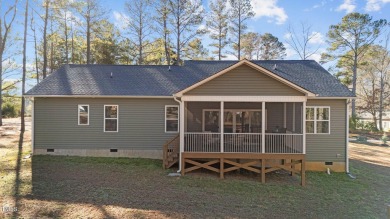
(245, 62)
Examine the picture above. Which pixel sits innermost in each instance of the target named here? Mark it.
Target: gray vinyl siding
(244, 81)
(325, 147)
(141, 124)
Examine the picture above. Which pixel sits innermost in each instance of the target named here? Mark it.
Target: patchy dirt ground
(76, 187)
(376, 154)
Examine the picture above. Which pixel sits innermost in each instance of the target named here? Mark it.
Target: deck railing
(285, 143)
(202, 142)
(242, 142)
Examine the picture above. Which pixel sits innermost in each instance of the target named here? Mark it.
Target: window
(171, 118)
(317, 120)
(83, 114)
(110, 118)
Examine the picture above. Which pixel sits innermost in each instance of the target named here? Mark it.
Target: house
(367, 117)
(289, 114)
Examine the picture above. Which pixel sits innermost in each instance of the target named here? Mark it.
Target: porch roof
(162, 81)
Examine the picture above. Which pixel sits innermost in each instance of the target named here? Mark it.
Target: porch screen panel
(211, 121)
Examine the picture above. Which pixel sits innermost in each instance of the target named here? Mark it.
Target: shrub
(10, 110)
(384, 138)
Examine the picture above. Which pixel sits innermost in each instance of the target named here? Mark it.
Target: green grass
(65, 186)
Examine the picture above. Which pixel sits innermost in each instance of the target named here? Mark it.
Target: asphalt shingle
(158, 80)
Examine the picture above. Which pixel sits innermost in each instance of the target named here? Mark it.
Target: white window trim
(78, 113)
(315, 120)
(228, 110)
(165, 118)
(117, 118)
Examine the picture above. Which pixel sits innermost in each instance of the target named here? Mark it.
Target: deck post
(303, 172)
(221, 124)
(263, 170)
(183, 164)
(221, 168)
(263, 127)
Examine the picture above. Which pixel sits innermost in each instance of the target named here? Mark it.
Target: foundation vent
(113, 150)
(328, 163)
(49, 150)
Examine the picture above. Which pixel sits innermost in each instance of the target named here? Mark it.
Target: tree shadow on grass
(16, 189)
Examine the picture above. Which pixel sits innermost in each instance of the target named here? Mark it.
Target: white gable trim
(252, 65)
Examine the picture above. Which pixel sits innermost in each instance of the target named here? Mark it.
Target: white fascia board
(245, 98)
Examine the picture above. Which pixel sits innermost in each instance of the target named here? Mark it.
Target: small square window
(317, 120)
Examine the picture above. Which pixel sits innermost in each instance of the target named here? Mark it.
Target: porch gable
(244, 79)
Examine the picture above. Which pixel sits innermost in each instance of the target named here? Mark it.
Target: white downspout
(180, 129)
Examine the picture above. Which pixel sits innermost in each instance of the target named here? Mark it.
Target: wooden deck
(255, 162)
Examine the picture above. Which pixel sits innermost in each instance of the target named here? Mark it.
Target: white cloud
(230, 57)
(269, 8)
(348, 6)
(316, 57)
(375, 5)
(121, 20)
(316, 38)
(320, 5)
(287, 36)
(290, 53)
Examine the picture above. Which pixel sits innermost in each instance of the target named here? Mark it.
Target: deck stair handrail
(171, 151)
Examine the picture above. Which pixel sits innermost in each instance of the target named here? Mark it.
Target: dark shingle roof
(152, 80)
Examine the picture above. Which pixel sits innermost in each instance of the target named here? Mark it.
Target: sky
(273, 16)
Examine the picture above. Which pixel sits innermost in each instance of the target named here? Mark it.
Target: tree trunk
(88, 41)
(354, 76)
(36, 56)
(45, 39)
(167, 54)
(22, 127)
(219, 44)
(381, 103)
(1, 87)
(72, 59)
(66, 39)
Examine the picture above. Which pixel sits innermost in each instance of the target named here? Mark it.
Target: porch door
(242, 121)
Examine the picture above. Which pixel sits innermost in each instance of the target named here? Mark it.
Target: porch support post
(284, 115)
(263, 127)
(293, 116)
(304, 127)
(221, 123)
(181, 126)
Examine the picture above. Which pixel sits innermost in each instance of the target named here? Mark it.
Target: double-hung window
(83, 114)
(171, 118)
(111, 118)
(318, 120)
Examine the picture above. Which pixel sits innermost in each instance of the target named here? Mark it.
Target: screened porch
(242, 127)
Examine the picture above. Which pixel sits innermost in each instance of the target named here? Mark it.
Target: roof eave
(97, 96)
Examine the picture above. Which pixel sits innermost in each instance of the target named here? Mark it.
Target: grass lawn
(76, 187)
